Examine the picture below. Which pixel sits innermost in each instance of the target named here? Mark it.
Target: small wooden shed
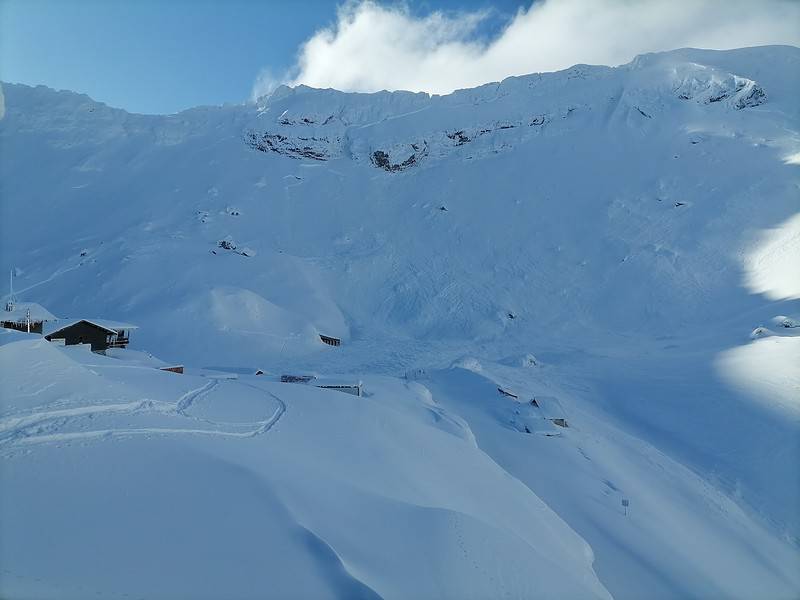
(346, 386)
(327, 383)
(551, 409)
(331, 341)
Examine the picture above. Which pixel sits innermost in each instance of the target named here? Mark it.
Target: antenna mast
(10, 303)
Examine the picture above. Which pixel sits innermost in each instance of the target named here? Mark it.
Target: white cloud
(373, 46)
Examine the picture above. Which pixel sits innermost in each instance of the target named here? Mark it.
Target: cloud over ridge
(374, 46)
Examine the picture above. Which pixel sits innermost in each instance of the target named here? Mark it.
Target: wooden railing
(119, 342)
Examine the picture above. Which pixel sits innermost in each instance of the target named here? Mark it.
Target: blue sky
(162, 56)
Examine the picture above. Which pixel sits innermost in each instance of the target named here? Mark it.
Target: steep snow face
(608, 195)
(605, 238)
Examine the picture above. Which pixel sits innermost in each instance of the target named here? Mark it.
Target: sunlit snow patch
(771, 267)
(768, 370)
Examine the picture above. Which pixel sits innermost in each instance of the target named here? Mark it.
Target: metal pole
(10, 303)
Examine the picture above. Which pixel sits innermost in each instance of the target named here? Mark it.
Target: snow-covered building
(551, 409)
(340, 385)
(331, 341)
(140, 358)
(328, 383)
(100, 333)
(26, 316)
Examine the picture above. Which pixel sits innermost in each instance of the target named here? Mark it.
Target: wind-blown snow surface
(621, 225)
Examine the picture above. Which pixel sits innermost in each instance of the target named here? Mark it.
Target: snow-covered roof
(110, 326)
(20, 311)
(335, 381)
(137, 358)
(550, 407)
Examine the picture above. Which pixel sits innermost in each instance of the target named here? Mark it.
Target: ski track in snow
(16, 430)
(188, 398)
(55, 274)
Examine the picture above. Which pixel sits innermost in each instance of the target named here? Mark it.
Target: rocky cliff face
(395, 132)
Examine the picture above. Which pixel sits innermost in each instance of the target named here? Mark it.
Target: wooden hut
(331, 341)
(101, 334)
(339, 385)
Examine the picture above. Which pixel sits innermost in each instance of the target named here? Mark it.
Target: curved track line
(270, 423)
(12, 428)
(185, 401)
(17, 436)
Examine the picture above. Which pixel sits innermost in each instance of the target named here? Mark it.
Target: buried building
(100, 333)
(551, 409)
(347, 386)
(26, 316)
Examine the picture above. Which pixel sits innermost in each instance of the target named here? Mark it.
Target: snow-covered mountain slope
(629, 227)
(547, 180)
(329, 496)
